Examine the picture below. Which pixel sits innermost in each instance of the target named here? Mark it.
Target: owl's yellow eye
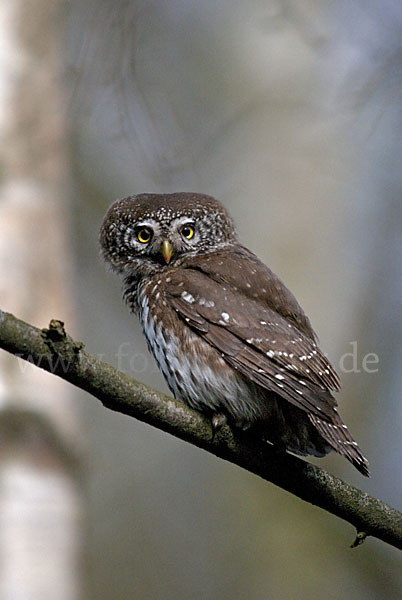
(144, 235)
(187, 231)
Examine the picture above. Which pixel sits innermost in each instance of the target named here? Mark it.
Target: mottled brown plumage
(229, 337)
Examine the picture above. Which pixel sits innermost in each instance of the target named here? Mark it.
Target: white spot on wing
(187, 297)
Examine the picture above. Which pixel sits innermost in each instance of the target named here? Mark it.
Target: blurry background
(288, 112)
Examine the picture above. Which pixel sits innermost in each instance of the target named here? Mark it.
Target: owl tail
(339, 438)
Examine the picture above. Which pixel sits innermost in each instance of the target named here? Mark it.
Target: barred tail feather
(338, 436)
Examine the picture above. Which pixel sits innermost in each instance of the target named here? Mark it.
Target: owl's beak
(167, 250)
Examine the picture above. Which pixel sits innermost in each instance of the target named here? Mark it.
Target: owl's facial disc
(161, 242)
(177, 236)
(144, 233)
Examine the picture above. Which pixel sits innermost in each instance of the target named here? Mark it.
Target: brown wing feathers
(257, 366)
(255, 340)
(266, 349)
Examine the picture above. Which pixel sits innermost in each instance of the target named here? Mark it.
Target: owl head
(151, 231)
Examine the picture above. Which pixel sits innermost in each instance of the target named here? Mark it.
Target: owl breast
(194, 371)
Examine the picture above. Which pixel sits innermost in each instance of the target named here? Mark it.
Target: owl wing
(256, 341)
(244, 272)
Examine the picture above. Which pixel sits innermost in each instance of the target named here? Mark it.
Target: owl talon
(218, 421)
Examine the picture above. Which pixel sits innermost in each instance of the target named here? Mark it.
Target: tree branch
(53, 350)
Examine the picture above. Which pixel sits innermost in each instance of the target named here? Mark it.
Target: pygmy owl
(229, 337)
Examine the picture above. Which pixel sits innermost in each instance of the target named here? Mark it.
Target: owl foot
(218, 421)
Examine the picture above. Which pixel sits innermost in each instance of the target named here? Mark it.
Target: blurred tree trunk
(40, 499)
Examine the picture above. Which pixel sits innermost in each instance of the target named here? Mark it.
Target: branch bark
(53, 350)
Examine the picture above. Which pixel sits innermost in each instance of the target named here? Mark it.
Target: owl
(230, 339)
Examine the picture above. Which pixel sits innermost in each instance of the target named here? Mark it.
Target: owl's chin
(145, 267)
